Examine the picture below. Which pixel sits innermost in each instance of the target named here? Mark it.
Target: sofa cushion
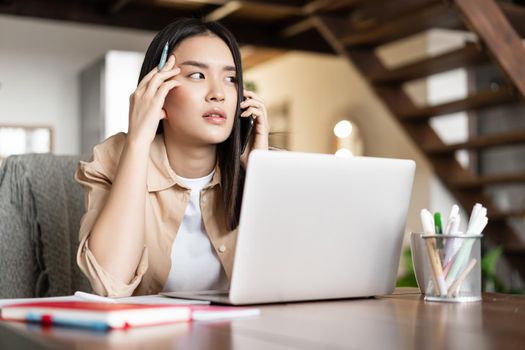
(45, 208)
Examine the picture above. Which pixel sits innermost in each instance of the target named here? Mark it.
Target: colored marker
(437, 222)
(433, 256)
(439, 228)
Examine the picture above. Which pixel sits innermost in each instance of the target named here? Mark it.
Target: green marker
(437, 222)
(439, 228)
(163, 56)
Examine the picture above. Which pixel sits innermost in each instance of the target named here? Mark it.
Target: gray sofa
(40, 210)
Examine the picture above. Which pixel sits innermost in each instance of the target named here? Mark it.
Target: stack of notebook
(106, 316)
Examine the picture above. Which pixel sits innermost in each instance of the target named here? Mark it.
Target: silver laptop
(317, 226)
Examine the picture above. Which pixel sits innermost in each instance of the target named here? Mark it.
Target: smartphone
(247, 124)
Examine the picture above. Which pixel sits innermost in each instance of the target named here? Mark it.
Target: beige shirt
(165, 206)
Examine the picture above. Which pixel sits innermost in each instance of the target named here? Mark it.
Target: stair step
(484, 141)
(436, 15)
(466, 56)
(480, 181)
(515, 250)
(503, 215)
(476, 101)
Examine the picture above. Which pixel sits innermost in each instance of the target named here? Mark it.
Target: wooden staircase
(499, 27)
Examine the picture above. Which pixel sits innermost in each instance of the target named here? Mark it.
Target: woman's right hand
(145, 103)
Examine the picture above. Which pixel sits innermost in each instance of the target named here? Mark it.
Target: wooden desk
(401, 321)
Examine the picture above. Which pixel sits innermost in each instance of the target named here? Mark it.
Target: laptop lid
(317, 226)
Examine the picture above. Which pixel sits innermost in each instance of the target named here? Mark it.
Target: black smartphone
(247, 124)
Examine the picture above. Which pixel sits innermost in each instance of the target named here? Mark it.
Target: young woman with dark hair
(163, 200)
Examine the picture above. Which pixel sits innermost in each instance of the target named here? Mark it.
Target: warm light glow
(343, 129)
(343, 152)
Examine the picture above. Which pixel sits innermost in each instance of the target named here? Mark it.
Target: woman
(163, 200)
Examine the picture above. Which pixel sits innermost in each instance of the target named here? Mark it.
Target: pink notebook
(95, 315)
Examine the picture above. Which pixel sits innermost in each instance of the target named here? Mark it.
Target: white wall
(122, 70)
(39, 65)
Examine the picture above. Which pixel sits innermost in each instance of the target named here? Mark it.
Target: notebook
(102, 316)
(95, 315)
(317, 226)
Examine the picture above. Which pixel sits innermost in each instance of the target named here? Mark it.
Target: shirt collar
(160, 174)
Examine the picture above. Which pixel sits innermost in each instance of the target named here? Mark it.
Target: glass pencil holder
(447, 267)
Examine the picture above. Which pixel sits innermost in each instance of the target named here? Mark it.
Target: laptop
(315, 227)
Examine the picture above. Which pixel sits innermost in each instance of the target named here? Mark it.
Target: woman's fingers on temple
(159, 79)
(165, 88)
(145, 80)
(170, 63)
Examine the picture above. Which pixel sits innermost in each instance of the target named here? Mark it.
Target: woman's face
(201, 111)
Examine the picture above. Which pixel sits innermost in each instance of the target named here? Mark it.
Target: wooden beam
(260, 6)
(202, 2)
(226, 7)
(133, 16)
(315, 6)
(117, 5)
(268, 36)
(223, 11)
(374, 12)
(487, 20)
(297, 28)
(329, 27)
(436, 15)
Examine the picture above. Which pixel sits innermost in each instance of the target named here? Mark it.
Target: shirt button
(204, 199)
(222, 248)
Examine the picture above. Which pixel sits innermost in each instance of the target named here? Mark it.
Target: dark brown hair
(228, 152)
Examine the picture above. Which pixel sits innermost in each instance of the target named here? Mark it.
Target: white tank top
(194, 263)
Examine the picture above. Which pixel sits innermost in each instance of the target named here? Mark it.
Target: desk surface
(400, 321)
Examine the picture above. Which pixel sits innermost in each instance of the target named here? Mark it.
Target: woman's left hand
(254, 106)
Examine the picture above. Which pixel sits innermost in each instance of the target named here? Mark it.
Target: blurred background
(417, 79)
